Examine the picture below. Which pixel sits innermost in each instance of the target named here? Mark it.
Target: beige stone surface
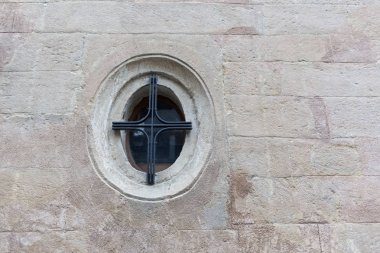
(369, 149)
(145, 17)
(349, 238)
(59, 139)
(286, 157)
(35, 52)
(353, 116)
(30, 92)
(345, 48)
(294, 86)
(316, 18)
(307, 199)
(301, 79)
(20, 17)
(276, 116)
(279, 238)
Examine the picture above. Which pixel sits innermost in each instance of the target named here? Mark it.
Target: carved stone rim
(111, 100)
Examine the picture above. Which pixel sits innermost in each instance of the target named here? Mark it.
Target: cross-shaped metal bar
(151, 129)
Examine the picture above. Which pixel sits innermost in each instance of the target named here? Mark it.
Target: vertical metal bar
(151, 146)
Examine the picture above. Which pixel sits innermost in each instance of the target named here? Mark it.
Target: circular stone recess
(117, 95)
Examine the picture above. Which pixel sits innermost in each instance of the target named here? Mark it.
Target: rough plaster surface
(295, 88)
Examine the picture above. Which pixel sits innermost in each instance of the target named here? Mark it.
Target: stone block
(359, 200)
(100, 47)
(20, 17)
(328, 79)
(283, 200)
(215, 214)
(366, 18)
(304, 199)
(33, 200)
(244, 116)
(369, 149)
(205, 241)
(276, 116)
(41, 142)
(155, 239)
(205, 212)
(150, 240)
(127, 17)
(301, 48)
(350, 238)
(355, 47)
(278, 238)
(301, 79)
(290, 48)
(65, 241)
(306, 19)
(295, 117)
(354, 117)
(99, 208)
(252, 78)
(282, 157)
(31, 92)
(249, 155)
(27, 52)
(4, 242)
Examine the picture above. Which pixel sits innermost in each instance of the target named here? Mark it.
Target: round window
(151, 134)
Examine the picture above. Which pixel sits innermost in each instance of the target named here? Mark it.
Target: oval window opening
(168, 143)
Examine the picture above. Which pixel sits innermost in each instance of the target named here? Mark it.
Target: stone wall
(298, 105)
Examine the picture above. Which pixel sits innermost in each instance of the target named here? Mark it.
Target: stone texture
(4, 242)
(69, 241)
(125, 241)
(350, 238)
(301, 48)
(32, 201)
(350, 117)
(296, 99)
(369, 150)
(33, 52)
(206, 241)
(275, 116)
(252, 78)
(366, 19)
(116, 17)
(301, 79)
(279, 238)
(307, 19)
(282, 157)
(306, 199)
(275, 48)
(103, 54)
(60, 141)
(20, 17)
(30, 92)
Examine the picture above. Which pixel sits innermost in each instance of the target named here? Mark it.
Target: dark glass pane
(168, 143)
(168, 148)
(138, 144)
(167, 110)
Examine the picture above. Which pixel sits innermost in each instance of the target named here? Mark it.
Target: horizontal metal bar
(127, 125)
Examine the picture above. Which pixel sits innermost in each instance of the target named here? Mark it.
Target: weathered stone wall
(298, 107)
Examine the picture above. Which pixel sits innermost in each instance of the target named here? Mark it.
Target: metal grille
(151, 125)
